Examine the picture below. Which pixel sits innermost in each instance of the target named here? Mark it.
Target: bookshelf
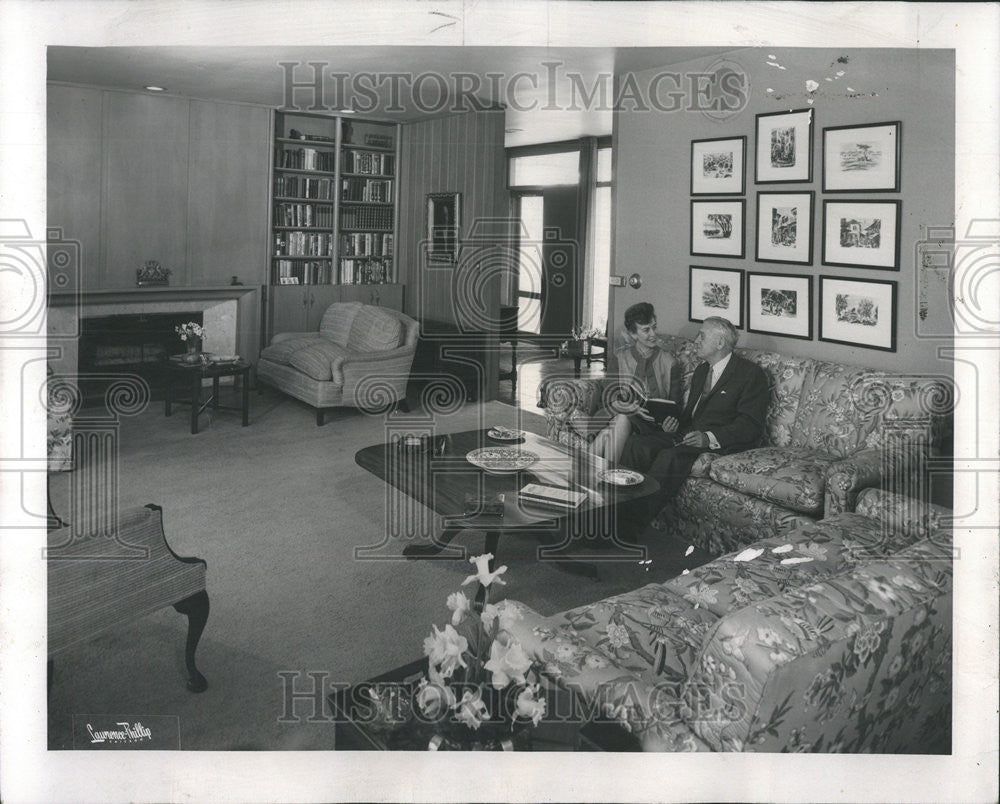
(333, 215)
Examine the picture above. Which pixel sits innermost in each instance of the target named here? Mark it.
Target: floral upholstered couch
(831, 431)
(834, 638)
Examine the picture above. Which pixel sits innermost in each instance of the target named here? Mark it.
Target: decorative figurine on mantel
(152, 273)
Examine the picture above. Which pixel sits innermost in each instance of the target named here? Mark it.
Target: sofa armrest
(903, 514)
(847, 477)
(374, 379)
(288, 336)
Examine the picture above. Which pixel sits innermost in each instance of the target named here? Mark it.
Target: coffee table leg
(436, 547)
(195, 401)
(245, 380)
(215, 391)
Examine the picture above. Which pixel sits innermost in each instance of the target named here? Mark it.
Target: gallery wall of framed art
(880, 131)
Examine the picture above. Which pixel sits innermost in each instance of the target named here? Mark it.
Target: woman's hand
(670, 424)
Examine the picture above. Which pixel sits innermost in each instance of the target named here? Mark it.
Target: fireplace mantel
(135, 295)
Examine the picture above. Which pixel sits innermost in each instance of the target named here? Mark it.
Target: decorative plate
(620, 477)
(505, 434)
(501, 460)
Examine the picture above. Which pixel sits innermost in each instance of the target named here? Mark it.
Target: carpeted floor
(277, 509)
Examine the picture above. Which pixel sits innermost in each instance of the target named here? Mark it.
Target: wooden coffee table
(441, 478)
(564, 727)
(190, 376)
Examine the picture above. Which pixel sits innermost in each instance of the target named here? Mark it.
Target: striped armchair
(100, 580)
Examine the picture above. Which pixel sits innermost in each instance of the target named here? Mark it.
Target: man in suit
(724, 413)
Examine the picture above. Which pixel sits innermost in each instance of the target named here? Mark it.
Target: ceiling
(543, 90)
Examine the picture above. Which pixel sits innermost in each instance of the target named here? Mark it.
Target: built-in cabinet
(301, 308)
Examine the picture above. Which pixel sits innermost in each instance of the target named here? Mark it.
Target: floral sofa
(360, 357)
(831, 431)
(834, 638)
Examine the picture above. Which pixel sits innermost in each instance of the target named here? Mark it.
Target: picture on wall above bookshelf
(333, 213)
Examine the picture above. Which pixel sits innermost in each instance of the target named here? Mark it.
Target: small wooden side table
(190, 375)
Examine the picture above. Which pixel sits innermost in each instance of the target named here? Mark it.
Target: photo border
(743, 166)
(809, 230)
(827, 202)
(809, 137)
(897, 162)
(743, 228)
(739, 307)
(809, 304)
(894, 305)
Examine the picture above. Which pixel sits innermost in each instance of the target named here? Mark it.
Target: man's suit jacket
(734, 410)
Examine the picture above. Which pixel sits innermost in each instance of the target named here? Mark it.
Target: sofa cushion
(320, 360)
(829, 417)
(793, 478)
(337, 321)
(282, 351)
(785, 376)
(374, 330)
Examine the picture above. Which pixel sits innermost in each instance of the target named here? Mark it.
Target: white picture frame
(718, 228)
(715, 292)
(862, 158)
(718, 166)
(861, 234)
(780, 304)
(784, 147)
(858, 312)
(785, 227)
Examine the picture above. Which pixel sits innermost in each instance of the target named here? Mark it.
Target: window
(545, 170)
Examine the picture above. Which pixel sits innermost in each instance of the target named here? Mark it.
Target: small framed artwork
(862, 159)
(861, 234)
(784, 147)
(717, 166)
(444, 221)
(784, 227)
(858, 312)
(715, 292)
(780, 304)
(717, 228)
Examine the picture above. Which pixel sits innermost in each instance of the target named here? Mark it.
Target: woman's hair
(641, 313)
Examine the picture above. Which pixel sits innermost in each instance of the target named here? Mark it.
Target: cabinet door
(389, 296)
(289, 308)
(145, 158)
(320, 297)
(74, 175)
(227, 193)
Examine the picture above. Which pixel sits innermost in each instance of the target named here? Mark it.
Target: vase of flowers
(481, 690)
(191, 333)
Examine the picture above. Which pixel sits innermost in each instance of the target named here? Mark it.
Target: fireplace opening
(129, 344)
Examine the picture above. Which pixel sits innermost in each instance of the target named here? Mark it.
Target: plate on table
(499, 433)
(501, 460)
(224, 358)
(620, 477)
(413, 442)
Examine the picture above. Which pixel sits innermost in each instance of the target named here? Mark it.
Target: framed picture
(861, 234)
(784, 227)
(780, 304)
(858, 312)
(715, 292)
(718, 166)
(862, 159)
(717, 228)
(784, 147)
(444, 221)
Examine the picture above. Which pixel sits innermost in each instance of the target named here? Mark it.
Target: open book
(660, 409)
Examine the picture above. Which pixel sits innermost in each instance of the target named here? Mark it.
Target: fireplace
(137, 343)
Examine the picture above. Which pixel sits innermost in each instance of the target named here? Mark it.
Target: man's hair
(641, 313)
(725, 326)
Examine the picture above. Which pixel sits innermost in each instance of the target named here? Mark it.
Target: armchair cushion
(793, 478)
(320, 360)
(374, 330)
(281, 351)
(337, 321)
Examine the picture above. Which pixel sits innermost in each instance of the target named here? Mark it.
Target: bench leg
(196, 609)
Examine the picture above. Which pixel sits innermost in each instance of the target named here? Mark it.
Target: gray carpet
(276, 509)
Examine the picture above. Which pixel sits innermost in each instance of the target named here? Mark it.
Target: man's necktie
(704, 390)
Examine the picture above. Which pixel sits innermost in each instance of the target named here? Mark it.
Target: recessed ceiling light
(155, 89)
(348, 111)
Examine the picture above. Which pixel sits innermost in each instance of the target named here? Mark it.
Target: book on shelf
(302, 244)
(303, 187)
(305, 159)
(537, 493)
(364, 271)
(370, 163)
(356, 189)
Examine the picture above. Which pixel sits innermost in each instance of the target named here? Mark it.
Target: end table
(190, 375)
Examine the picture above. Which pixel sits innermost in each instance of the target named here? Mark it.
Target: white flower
(618, 635)
(506, 611)
(595, 660)
(471, 710)
(460, 605)
(483, 573)
(565, 653)
(434, 696)
(507, 663)
(445, 649)
(529, 705)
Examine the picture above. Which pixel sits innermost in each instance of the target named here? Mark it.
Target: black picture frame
(768, 124)
(769, 252)
(444, 226)
(711, 186)
(838, 180)
(697, 275)
(802, 281)
(836, 244)
(702, 242)
(834, 323)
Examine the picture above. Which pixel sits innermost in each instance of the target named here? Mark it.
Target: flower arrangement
(190, 331)
(481, 687)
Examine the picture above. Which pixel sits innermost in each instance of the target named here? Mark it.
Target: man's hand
(642, 414)
(670, 424)
(695, 438)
